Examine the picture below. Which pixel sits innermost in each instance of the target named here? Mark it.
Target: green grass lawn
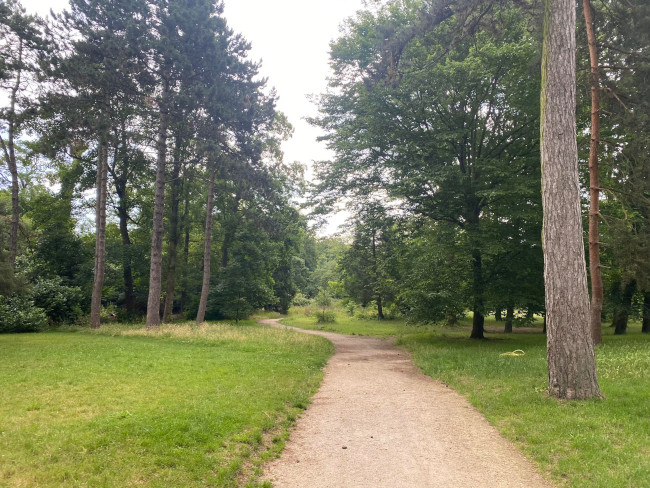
(305, 318)
(600, 443)
(184, 406)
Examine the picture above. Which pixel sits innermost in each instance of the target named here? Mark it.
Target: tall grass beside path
(184, 405)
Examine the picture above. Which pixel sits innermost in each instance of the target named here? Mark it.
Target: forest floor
(377, 421)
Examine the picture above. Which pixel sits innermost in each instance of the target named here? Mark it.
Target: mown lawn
(184, 406)
(599, 443)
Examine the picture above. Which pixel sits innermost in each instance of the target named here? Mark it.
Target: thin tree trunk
(510, 315)
(173, 235)
(186, 249)
(123, 217)
(498, 315)
(594, 182)
(380, 308)
(155, 271)
(205, 288)
(478, 321)
(622, 313)
(570, 352)
(645, 327)
(100, 235)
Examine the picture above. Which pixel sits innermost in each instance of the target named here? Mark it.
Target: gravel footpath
(377, 421)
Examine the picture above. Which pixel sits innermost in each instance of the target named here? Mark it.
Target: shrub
(59, 302)
(325, 317)
(300, 300)
(19, 314)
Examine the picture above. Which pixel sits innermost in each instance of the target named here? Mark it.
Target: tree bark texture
(155, 270)
(100, 235)
(570, 353)
(205, 288)
(594, 181)
(173, 238)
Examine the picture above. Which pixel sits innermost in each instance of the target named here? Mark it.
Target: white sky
(291, 38)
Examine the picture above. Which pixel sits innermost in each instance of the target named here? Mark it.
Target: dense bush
(61, 303)
(300, 300)
(325, 317)
(19, 314)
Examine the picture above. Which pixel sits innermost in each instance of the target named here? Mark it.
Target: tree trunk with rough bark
(205, 288)
(570, 352)
(155, 270)
(173, 236)
(100, 235)
(594, 181)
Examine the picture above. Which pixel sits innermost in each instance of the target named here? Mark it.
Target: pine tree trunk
(645, 327)
(186, 250)
(205, 288)
(173, 236)
(510, 315)
(10, 155)
(155, 270)
(570, 352)
(594, 182)
(100, 235)
(127, 270)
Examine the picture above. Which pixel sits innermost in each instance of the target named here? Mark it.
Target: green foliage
(300, 300)
(324, 300)
(19, 314)
(447, 135)
(325, 317)
(59, 302)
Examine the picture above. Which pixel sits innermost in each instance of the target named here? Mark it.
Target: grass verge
(600, 443)
(181, 406)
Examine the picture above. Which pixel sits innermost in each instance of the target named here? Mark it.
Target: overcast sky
(291, 38)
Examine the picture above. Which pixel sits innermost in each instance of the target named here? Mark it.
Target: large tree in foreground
(571, 362)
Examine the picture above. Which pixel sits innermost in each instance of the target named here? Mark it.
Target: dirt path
(377, 421)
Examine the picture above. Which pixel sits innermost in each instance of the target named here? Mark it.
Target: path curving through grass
(377, 421)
